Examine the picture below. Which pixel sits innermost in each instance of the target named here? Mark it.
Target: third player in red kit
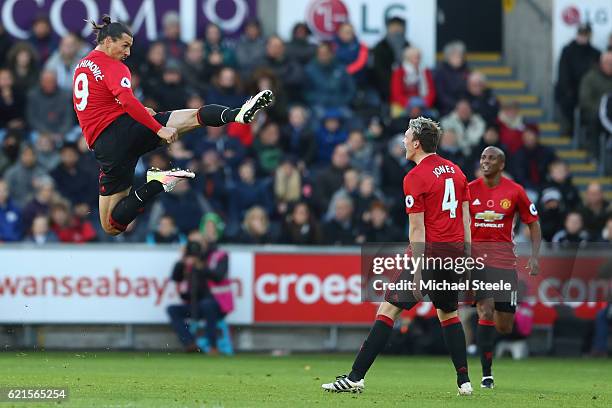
(495, 203)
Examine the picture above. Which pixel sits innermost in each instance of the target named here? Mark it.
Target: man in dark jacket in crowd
(74, 182)
(576, 59)
(531, 161)
(387, 52)
(191, 275)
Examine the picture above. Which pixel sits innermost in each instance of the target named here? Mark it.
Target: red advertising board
(325, 288)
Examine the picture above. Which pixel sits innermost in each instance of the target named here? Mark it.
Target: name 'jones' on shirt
(438, 171)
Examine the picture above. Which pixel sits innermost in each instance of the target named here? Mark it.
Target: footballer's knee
(389, 310)
(108, 227)
(504, 328)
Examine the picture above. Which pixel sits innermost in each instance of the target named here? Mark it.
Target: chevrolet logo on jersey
(488, 217)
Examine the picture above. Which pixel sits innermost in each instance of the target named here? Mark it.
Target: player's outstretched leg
(185, 120)
(370, 349)
(485, 338)
(119, 210)
(454, 337)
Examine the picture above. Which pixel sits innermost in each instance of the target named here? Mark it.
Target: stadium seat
(224, 338)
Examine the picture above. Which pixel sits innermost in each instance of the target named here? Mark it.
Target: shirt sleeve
(527, 210)
(118, 80)
(413, 195)
(466, 190)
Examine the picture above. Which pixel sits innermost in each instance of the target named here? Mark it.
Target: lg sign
(325, 16)
(571, 15)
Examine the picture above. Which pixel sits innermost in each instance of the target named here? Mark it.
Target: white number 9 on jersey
(81, 91)
(449, 202)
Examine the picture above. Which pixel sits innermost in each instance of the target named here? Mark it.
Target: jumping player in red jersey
(437, 200)
(119, 129)
(495, 203)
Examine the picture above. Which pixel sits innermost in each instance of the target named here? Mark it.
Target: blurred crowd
(324, 165)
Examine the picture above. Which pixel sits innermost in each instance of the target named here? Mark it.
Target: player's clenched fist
(169, 134)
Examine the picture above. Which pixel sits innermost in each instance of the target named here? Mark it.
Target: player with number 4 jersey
(119, 129)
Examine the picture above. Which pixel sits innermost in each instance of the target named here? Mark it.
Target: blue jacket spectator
(166, 233)
(351, 53)
(20, 175)
(298, 138)
(246, 193)
(40, 233)
(230, 150)
(74, 182)
(327, 83)
(289, 72)
(183, 204)
(224, 90)
(10, 216)
(450, 77)
(330, 134)
(42, 38)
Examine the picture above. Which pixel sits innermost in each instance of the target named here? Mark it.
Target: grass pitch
(115, 379)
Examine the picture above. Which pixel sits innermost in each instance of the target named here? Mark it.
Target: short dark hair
(107, 29)
(427, 132)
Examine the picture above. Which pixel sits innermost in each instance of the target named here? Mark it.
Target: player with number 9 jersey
(437, 187)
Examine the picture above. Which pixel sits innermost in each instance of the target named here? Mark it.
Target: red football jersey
(437, 187)
(98, 80)
(492, 211)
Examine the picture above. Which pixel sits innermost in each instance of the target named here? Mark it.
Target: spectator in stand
(195, 68)
(12, 102)
(218, 53)
(180, 156)
(229, 149)
(265, 78)
(327, 83)
(300, 48)
(330, 134)
(288, 71)
(49, 108)
(10, 216)
(256, 228)
(73, 181)
(183, 204)
(511, 126)
(481, 97)
(63, 61)
(594, 85)
(298, 138)
(301, 227)
(379, 227)
(267, 149)
(40, 232)
(393, 169)
(23, 63)
(596, 210)
(171, 35)
(250, 49)
(46, 153)
(20, 175)
(531, 162)
(212, 228)
(341, 229)
(387, 52)
(172, 93)
(552, 212)
(449, 149)
(10, 150)
(211, 181)
(362, 153)
(68, 227)
(287, 185)
(573, 232)
(351, 53)
(366, 195)
(45, 195)
(331, 178)
(247, 192)
(559, 178)
(577, 58)
(490, 138)
(450, 77)
(225, 89)
(411, 79)
(152, 70)
(349, 188)
(166, 233)
(468, 126)
(5, 43)
(42, 38)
